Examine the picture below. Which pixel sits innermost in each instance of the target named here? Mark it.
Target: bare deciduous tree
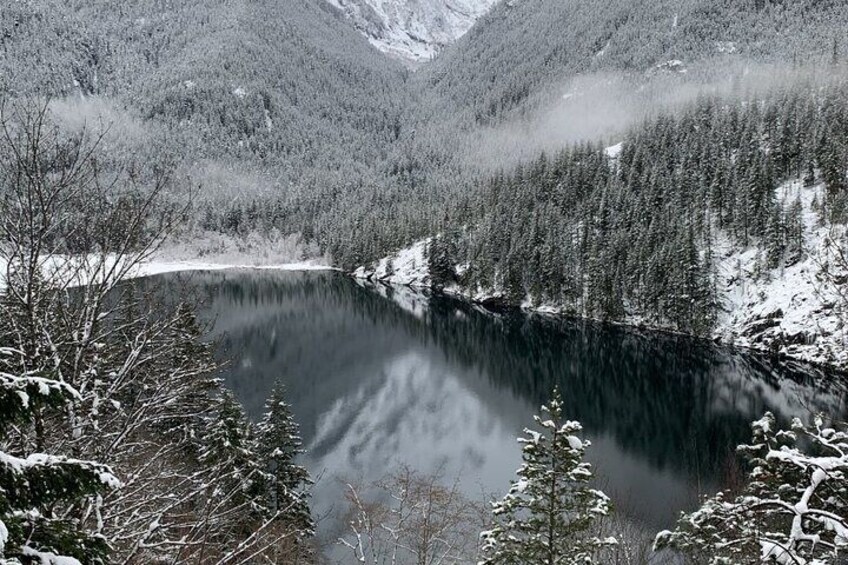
(412, 518)
(147, 392)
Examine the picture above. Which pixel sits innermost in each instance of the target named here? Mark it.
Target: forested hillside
(279, 118)
(281, 90)
(521, 48)
(634, 230)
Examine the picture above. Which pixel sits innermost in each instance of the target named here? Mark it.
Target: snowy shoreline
(63, 268)
(488, 303)
(152, 268)
(788, 313)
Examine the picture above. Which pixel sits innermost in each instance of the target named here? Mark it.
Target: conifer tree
(793, 510)
(34, 485)
(237, 477)
(548, 514)
(278, 443)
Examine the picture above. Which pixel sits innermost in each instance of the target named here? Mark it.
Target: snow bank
(68, 270)
(790, 311)
(157, 267)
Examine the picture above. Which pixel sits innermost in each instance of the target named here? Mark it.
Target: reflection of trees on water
(675, 402)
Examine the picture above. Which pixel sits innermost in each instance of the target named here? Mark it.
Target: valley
(432, 282)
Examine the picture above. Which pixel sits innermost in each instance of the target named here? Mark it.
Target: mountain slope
(725, 219)
(523, 47)
(287, 87)
(413, 30)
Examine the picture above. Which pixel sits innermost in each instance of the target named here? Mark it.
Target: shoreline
(153, 268)
(495, 303)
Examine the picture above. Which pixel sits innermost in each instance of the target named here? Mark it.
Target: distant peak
(412, 30)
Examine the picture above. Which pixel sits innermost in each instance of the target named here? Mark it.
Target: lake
(380, 378)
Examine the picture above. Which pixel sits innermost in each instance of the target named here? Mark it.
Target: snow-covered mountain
(414, 30)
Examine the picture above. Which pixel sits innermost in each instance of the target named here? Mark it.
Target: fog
(602, 106)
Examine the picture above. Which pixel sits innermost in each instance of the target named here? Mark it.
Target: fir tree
(237, 478)
(548, 514)
(278, 443)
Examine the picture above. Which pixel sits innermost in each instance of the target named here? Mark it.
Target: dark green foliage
(33, 484)
(228, 449)
(278, 443)
(633, 235)
(442, 258)
(550, 509)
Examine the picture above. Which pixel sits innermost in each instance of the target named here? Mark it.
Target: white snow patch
(4, 536)
(790, 309)
(412, 30)
(574, 442)
(613, 151)
(408, 267)
(161, 267)
(19, 465)
(48, 558)
(728, 47)
(64, 268)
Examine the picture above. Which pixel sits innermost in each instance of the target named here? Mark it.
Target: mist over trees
(280, 116)
(636, 232)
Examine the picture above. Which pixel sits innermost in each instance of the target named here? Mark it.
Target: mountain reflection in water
(380, 377)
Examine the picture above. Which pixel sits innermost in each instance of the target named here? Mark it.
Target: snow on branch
(794, 509)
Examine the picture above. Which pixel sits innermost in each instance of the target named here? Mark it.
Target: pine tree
(794, 222)
(548, 514)
(440, 260)
(278, 443)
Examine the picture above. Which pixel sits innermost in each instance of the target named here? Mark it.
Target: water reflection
(377, 380)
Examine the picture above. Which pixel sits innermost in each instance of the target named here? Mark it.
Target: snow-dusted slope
(793, 310)
(408, 267)
(414, 30)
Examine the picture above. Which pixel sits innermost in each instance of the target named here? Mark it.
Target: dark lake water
(380, 378)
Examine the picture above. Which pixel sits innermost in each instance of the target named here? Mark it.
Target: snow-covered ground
(158, 267)
(792, 311)
(69, 269)
(407, 267)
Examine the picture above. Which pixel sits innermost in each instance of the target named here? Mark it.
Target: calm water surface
(380, 378)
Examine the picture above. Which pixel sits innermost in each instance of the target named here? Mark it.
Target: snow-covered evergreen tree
(278, 444)
(548, 515)
(35, 486)
(793, 510)
(227, 450)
